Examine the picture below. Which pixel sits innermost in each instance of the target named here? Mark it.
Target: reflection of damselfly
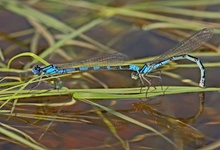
(102, 63)
(177, 126)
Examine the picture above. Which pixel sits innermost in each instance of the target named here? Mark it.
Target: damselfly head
(134, 75)
(36, 69)
(149, 64)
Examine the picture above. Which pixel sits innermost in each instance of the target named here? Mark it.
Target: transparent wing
(109, 59)
(189, 44)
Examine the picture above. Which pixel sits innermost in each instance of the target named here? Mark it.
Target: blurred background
(71, 30)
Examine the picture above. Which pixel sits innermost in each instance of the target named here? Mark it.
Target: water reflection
(66, 123)
(179, 127)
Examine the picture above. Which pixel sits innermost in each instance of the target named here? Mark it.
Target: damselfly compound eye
(134, 75)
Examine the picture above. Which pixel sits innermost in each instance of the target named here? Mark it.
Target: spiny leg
(158, 77)
(36, 85)
(142, 78)
(154, 76)
(56, 84)
(141, 82)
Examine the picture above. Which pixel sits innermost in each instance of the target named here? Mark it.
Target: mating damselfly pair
(111, 61)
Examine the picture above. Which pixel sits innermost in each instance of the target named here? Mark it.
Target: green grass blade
(129, 120)
(31, 143)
